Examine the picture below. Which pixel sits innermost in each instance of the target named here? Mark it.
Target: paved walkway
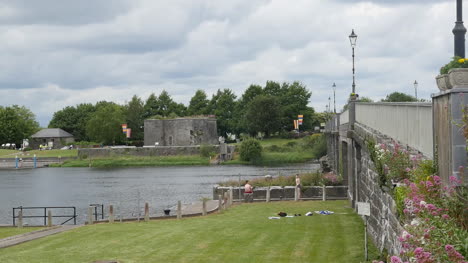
(197, 207)
(18, 239)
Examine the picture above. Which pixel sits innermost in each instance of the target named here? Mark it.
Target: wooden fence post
(111, 214)
(146, 212)
(225, 199)
(49, 218)
(220, 203)
(268, 195)
(231, 196)
(20, 219)
(179, 210)
(90, 215)
(324, 193)
(204, 207)
(296, 194)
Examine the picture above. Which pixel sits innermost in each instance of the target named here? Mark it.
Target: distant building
(53, 138)
(180, 132)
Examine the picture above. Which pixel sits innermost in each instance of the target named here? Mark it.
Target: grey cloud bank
(57, 53)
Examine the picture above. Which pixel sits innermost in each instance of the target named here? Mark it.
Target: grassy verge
(13, 231)
(241, 234)
(278, 151)
(136, 161)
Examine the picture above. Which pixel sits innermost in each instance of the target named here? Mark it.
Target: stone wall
(286, 192)
(181, 132)
(149, 151)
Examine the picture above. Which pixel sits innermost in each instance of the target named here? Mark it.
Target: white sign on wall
(363, 208)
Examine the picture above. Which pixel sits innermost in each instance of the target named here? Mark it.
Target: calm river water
(125, 188)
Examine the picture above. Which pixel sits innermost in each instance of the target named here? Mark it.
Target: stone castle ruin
(180, 132)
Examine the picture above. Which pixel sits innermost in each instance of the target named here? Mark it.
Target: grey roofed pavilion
(53, 132)
(54, 138)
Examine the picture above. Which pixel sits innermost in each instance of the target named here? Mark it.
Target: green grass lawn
(12, 231)
(241, 234)
(137, 161)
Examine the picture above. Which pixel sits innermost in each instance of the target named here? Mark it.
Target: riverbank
(129, 161)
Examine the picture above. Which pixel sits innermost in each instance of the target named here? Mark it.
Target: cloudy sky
(57, 53)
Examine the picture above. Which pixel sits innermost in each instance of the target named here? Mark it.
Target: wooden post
(49, 218)
(324, 193)
(296, 195)
(111, 214)
(268, 195)
(204, 207)
(90, 215)
(179, 210)
(146, 212)
(220, 203)
(20, 219)
(231, 195)
(225, 199)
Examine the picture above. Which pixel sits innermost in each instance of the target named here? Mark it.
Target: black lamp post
(334, 101)
(416, 89)
(329, 104)
(352, 40)
(459, 32)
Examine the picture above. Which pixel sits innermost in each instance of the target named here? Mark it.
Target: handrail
(45, 208)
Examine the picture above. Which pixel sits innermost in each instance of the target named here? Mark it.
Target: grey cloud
(63, 12)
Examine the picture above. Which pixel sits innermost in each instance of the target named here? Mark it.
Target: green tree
(17, 123)
(399, 97)
(105, 125)
(73, 120)
(293, 100)
(151, 107)
(263, 115)
(223, 105)
(198, 103)
(134, 117)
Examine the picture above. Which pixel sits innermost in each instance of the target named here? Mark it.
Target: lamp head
(352, 39)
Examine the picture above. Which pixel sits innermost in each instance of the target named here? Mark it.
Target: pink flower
(395, 259)
(445, 216)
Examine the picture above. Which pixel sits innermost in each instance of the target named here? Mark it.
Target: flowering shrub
(435, 231)
(435, 215)
(394, 164)
(457, 62)
(331, 178)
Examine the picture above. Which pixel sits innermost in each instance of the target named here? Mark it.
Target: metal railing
(44, 216)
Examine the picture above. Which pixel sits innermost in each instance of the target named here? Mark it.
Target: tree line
(270, 110)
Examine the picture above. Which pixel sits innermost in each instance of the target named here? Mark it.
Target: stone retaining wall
(149, 151)
(286, 192)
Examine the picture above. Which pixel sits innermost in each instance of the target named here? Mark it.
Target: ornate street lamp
(334, 101)
(416, 89)
(352, 40)
(459, 32)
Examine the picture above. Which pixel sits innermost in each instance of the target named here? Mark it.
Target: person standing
(298, 187)
(248, 192)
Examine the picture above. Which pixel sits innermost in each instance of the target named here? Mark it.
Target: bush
(207, 150)
(250, 150)
(291, 144)
(27, 149)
